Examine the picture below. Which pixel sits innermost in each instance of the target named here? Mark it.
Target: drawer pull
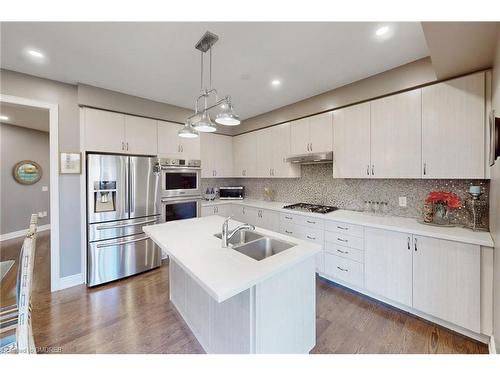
(343, 228)
(311, 238)
(288, 232)
(342, 252)
(311, 222)
(288, 217)
(340, 239)
(342, 269)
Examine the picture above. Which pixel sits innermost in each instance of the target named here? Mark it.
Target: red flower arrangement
(451, 200)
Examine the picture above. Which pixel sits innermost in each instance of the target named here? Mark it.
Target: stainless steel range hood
(320, 157)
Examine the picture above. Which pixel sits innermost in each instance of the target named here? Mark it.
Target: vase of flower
(442, 203)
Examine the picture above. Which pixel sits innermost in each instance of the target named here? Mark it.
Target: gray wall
(20, 201)
(495, 205)
(17, 84)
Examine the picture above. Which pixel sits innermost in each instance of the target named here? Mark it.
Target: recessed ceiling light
(275, 82)
(36, 54)
(382, 31)
(4, 118)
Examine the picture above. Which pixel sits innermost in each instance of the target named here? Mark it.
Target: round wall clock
(27, 172)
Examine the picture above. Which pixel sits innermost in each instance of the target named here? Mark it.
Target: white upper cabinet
(311, 134)
(244, 155)
(388, 264)
(447, 280)
(264, 149)
(216, 155)
(320, 132)
(104, 131)
(396, 136)
(351, 142)
(280, 145)
(140, 135)
(170, 145)
(107, 131)
(453, 128)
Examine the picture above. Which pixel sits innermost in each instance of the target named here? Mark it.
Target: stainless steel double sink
(256, 245)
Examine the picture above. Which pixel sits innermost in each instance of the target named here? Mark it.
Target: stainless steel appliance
(122, 196)
(312, 158)
(180, 178)
(231, 192)
(316, 208)
(180, 208)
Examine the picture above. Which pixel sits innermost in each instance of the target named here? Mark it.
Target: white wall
(495, 204)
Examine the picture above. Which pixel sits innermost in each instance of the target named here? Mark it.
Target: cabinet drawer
(345, 252)
(289, 218)
(311, 234)
(350, 229)
(344, 269)
(311, 222)
(345, 240)
(290, 230)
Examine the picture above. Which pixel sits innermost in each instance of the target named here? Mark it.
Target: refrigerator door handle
(132, 186)
(119, 243)
(104, 227)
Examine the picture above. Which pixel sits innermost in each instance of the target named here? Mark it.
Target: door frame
(53, 182)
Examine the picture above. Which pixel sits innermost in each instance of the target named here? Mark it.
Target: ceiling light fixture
(36, 54)
(200, 120)
(4, 118)
(275, 82)
(382, 31)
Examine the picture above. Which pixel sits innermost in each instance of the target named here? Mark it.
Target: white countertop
(395, 223)
(222, 272)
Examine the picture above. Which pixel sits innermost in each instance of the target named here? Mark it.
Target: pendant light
(187, 131)
(201, 120)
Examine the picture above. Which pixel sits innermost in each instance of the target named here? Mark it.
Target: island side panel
(285, 311)
(224, 328)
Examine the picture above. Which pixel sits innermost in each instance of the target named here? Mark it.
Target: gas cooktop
(316, 208)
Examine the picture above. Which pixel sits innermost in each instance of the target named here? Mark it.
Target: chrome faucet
(226, 235)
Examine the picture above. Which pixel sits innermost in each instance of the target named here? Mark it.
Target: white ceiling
(25, 116)
(158, 60)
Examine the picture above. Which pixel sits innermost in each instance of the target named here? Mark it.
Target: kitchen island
(232, 302)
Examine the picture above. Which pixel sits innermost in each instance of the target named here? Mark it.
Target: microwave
(180, 178)
(231, 192)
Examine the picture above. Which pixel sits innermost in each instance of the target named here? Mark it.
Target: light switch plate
(402, 201)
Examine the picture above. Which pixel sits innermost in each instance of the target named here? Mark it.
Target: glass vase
(441, 216)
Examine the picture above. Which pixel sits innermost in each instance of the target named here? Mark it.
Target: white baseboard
(491, 345)
(22, 233)
(69, 281)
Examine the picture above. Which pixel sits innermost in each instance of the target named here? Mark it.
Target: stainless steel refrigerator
(122, 196)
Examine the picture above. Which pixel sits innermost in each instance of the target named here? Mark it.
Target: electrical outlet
(402, 201)
(45, 188)
(44, 213)
(40, 214)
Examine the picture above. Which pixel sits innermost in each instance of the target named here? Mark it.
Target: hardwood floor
(134, 315)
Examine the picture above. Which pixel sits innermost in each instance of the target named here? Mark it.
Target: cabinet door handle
(342, 252)
(310, 237)
(288, 217)
(408, 242)
(310, 222)
(215, 172)
(425, 169)
(342, 269)
(343, 228)
(368, 169)
(311, 146)
(373, 170)
(341, 240)
(415, 243)
(123, 145)
(127, 146)
(286, 231)
(182, 148)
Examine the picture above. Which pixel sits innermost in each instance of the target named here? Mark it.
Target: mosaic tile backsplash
(318, 187)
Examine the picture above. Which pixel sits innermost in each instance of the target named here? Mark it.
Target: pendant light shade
(227, 117)
(205, 124)
(187, 131)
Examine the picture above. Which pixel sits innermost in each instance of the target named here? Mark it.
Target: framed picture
(70, 163)
(27, 172)
(494, 138)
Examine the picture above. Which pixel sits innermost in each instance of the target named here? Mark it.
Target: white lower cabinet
(220, 209)
(268, 219)
(388, 264)
(344, 269)
(446, 280)
(245, 214)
